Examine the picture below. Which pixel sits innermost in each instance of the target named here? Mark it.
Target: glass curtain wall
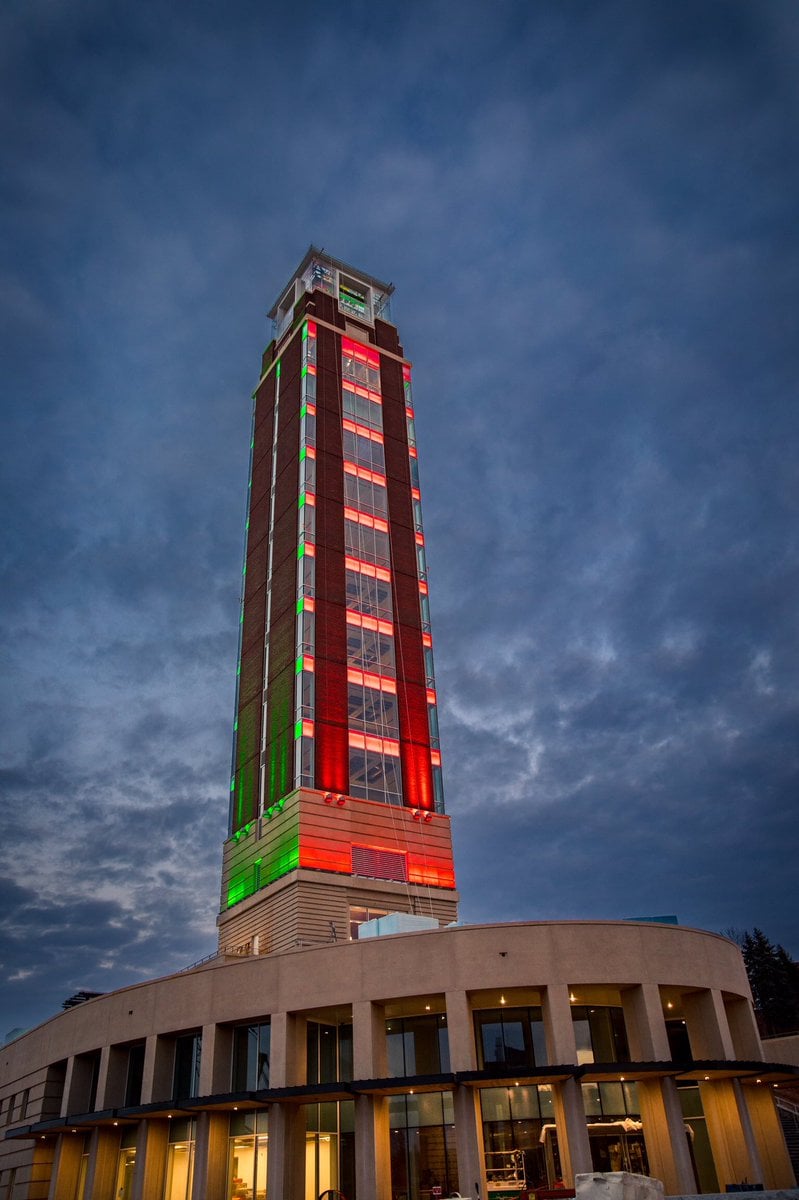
(698, 1139)
(417, 1045)
(330, 1126)
(247, 1157)
(180, 1160)
(126, 1167)
(423, 1156)
(251, 1048)
(521, 1143)
(600, 1033)
(510, 1037)
(615, 1130)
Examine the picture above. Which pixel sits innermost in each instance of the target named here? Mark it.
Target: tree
(774, 980)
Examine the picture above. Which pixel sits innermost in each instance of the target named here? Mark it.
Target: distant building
(349, 1035)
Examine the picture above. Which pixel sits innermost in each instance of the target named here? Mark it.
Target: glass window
(365, 451)
(417, 1045)
(600, 1034)
(367, 543)
(251, 1047)
(368, 594)
(375, 776)
(366, 495)
(329, 1055)
(360, 364)
(422, 1145)
(135, 1075)
(510, 1037)
(126, 1168)
(180, 1161)
(186, 1081)
(359, 914)
(370, 649)
(304, 761)
(372, 711)
(363, 405)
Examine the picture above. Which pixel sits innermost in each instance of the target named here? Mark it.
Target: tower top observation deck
(359, 295)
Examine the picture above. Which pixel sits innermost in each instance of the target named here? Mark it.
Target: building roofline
(339, 264)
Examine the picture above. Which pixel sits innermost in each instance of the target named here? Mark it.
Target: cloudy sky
(588, 209)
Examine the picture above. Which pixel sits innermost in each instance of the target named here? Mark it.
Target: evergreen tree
(774, 980)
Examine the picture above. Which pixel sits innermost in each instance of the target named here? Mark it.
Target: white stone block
(617, 1185)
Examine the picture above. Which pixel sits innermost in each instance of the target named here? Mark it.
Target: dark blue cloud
(588, 211)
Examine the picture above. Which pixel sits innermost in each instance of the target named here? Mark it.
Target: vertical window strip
(305, 638)
(374, 766)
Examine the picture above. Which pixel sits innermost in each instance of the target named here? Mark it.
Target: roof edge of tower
(339, 264)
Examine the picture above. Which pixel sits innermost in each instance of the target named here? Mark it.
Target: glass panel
(373, 711)
(612, 1098)
(125, 1173)
(186, 1081)
(179, 1171)
(368, 595)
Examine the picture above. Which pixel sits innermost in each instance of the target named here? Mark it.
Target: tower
(336, 805)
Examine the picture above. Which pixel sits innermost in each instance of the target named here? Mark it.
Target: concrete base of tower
(308, 908)
(318, 864)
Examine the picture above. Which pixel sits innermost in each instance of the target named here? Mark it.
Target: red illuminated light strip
(380, 745)
(358, 351)
(312, 329)
(427, 639)
(423, 587)
(307, 729)
(352, 468)
(431, 696)
(362, 518)
(362, 430)
(381, 683)
(417, 495)
(376, 623)
(365, 568)
(435, 758)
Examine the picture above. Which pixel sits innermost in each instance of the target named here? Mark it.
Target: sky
(588, 210)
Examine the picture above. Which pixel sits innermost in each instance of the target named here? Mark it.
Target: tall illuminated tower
(336, 806)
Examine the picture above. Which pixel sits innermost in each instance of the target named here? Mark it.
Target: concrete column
(743, 1029)
(285, 1164)
(152, 1141)
(68, 1086)
(767, 1129)
(101, 1176)
(558, 1027)
(706, 1021)
(665, 1137)
(731, 1144)
(288, 1065)
(216, 1060)
(645, 1024)
(210, 1157)
(158, 1071)
(372, 1148)
(66, 1167)
(460, 1032)
(369, 1051)
(469, 1144)
(573, 1144)
(112, 1077)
